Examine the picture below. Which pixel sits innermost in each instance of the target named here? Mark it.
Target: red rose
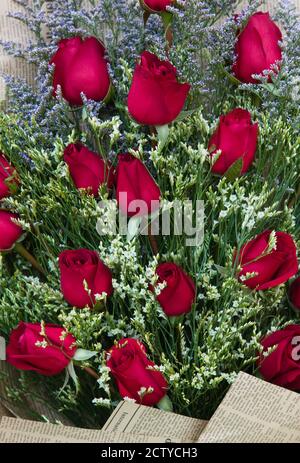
(271, 266)
(88, 170)
(79, 267)
(80, 67)
(155, 97)
(257, 47)
(294, 293)
(156, 5)
(134, 183)
(236, 137)
(282, 365)
(46, 349)
(179, 294)
(8, 177)
(133, 372)
(9, 231)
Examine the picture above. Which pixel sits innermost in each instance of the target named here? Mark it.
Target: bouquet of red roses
(149, 189)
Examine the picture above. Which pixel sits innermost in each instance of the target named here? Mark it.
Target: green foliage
(202, 354)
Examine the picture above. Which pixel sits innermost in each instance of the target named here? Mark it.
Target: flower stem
(152, 241)
(91, 372)
(295, 198)
(19, 248)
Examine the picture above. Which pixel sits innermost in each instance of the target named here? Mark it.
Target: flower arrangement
(140, 107)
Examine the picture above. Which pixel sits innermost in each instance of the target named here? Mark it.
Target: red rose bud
(134, 373)
(236, 137)
(268, 260)
(81, 67)
(10, 232)
(137, 192)
(180, 291)
(282, 365)
(257, 47)
(46, 349)
(87, 169)
(294, 293)
(156, 97)
(82, 276)
(8, 177)
(156, 5)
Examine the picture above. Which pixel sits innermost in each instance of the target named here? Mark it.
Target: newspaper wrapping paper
(13, 30)
(135, 419)
(14, 430)
(253, 411)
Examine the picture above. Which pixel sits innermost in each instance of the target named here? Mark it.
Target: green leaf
(234, 170)
(84, 114)
(72, 373)
(222, 270)
(110, 94)
(67, 378)
(165, 404)
(184, 114)
(167, 19)
(231, 77)
(12, 184)
(162, 134)
(272, 89)
(82, 355)
(176, 319)
(133, 227)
